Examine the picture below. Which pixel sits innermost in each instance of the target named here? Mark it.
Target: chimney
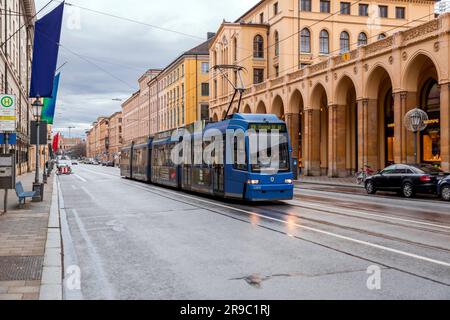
(210, 35)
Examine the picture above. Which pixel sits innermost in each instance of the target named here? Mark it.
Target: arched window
(277, 44)
(235, 48)
(381, 36)
(258, 47)
(431, 136)
(362, 39)
(305, 40)
(345, 42)
(324, 42)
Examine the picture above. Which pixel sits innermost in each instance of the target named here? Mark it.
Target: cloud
(125, 49)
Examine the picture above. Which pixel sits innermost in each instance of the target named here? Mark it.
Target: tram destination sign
(7, 113)
(281, 127)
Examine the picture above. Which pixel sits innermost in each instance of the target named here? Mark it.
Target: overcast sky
(121, 51)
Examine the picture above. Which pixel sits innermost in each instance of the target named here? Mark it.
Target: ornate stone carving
(421, 30)
(391, 59)
(318, 67)
(379, 45)
(436, 46)
(404, 55)
(355, 70)
(326, 78)
(366, 67)
(335, 76)
(295, 75)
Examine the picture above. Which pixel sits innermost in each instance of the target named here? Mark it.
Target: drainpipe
(196, 86)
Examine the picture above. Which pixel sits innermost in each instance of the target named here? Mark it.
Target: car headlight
(252, 181)
(289, 181)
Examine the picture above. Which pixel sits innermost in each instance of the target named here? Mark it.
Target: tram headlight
(253, 182)
(289, 181)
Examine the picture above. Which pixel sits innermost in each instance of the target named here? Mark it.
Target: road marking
(331, 234)
(356, 213)
(80, 177)
(95, 258)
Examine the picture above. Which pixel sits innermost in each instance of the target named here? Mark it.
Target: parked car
(74, 162)
(444, 188)
(407, 180)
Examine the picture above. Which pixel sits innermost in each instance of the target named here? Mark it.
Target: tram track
(163, 193)
(236, 213)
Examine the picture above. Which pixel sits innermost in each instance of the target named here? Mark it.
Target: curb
(330, 184)
(51, 283)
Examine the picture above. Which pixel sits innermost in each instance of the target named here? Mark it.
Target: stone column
(404, 140)
(293, 125)
(337, 141)
(312, 143)
(445, 126)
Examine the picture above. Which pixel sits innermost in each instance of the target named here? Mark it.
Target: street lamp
(37, 186)
(416, 121)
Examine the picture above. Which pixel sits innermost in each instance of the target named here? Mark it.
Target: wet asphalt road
(137, 241)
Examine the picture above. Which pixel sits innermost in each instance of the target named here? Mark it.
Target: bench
(22, 195)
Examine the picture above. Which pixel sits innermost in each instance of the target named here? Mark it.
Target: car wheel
(370, 188)
(445, 194)
(408, 190)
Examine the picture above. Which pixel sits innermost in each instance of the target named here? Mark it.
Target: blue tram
(248, 180)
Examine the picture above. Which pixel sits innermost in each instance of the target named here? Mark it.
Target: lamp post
(37, 186)
(416, 121)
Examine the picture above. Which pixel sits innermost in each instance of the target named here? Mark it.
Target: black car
(444, 188)
(406, 180)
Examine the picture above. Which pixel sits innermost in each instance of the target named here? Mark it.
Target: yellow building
(277, 37)
(179, 95)
(343, 80)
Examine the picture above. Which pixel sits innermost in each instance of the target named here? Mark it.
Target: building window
(215, 89)
(345, 42)
(345, 7)
(258, 75)
(381, 36)
(205, 67)
(258, 47)
(325, 6)
(275, 8)
(324, 42)
(235, 49)
(277, 44)
(305, 5)
(383, 11)
(364, 10)
(362, 39)
(400, 12)
(261, 17)
(305, 41)
(204, 112)
(277, 71)
(205, 89)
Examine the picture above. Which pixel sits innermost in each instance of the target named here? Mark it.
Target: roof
(248, 11)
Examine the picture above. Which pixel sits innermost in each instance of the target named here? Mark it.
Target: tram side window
(240, 156)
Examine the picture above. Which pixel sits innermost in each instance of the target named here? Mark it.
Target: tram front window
(269, 152)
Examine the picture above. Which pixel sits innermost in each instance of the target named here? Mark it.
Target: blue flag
(48, 110)
(47, 35)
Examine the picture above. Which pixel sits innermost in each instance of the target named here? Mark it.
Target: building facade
(115, 136)
(136, 110)
(15, 71)
(179, 95)
(347, 110)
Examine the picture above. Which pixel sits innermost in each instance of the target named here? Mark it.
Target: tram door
(219, 175)
(218, 180)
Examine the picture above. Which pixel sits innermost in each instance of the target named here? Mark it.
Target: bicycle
(361, 176)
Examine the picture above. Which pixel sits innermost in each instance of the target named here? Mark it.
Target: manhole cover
(21, 268)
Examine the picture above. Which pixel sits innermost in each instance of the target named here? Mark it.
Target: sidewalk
(23, 240)
(324, 180)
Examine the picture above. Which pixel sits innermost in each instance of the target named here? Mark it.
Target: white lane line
(356, 213)
(331, 234)
(106, 286)
(80, 177)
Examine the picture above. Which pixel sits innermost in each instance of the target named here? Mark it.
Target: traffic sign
(7, 113)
